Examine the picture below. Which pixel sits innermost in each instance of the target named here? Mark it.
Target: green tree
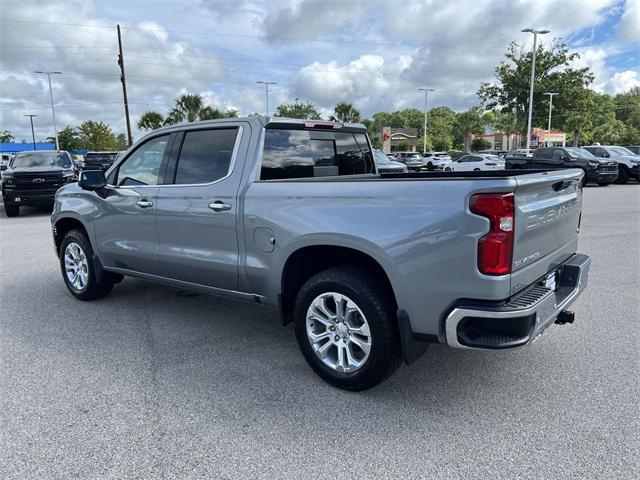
(440, 128)
(150, 121)
(480, 144)
(298, 110)
(96, 136)
(505, 122)
(68, 139)
(554, 73)
(121, 142)
(6, 137)
(346, 113)
(210, 113)
(466, 124)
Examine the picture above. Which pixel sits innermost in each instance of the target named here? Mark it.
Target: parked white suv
(627, 160)
(435, 160)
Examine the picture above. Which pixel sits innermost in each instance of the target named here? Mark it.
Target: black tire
(11, 210)
(94, 288)
(430, 166)
(377, 305)
(448, 169)
(476, 169)
(603, 184)
(584, 180)
(623, 175)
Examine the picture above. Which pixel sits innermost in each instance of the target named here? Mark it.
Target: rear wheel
(429, 166)
(448, 169)
(476, 169)
(623, 175)
(346, 329)
(78, 270)
(11, 210)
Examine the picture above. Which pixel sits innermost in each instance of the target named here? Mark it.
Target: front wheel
(448, 169)
(346, 328)
(78, 270)
(430, 166)
(623, 175)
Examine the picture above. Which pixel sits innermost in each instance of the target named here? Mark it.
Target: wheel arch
(307, 260)
(64, 225)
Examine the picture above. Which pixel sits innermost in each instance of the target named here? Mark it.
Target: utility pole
(426, 97)
(124, 87)
(33, 135)
(533, 75)
(550, 108)
(266, 89)
(53, 110)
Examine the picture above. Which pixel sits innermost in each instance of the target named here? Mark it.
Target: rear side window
(543, 153)
(205, 155)
(290, 153)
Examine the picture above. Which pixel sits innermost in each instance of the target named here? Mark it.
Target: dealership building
(514, 140)
(399, 139)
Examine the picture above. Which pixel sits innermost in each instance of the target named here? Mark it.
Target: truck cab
(628, 162)
(598, 170)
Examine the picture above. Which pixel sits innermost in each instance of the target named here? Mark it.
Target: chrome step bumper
(522, 318)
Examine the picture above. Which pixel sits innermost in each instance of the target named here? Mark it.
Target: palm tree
(150, 120)
(506, 123)
(346, 113)
(466, 124)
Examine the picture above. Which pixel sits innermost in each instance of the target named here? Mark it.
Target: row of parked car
(602, 164)
(32, 177)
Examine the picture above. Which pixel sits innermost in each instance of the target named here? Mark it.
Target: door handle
(219, 206)
(144, 203)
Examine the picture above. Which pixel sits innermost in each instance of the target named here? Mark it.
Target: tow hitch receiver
(565, 316)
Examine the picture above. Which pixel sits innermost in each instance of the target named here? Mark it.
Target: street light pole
(550, 108)
(33, 135)
(266, 89)
(533, 75)
(426, 98)
(53, 110)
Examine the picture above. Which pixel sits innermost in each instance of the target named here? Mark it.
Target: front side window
(295, 153)
(205, 155)
(143, 165)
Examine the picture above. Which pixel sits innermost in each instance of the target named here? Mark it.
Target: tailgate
(548, 207)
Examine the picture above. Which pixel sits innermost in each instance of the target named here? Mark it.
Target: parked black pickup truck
(597, 170)
(32, 178)
(99, 160)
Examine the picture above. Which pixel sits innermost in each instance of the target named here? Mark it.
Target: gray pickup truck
(371, 268)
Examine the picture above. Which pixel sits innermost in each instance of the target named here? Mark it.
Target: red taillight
(495, 249)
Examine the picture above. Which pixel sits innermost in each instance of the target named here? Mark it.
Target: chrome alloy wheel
(338, 332)
(76, 266)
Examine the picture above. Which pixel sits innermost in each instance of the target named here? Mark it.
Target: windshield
(380, 157)
(576, 152)
(621, 151)
(41, 159)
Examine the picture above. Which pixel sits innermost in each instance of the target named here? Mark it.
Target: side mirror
(92, 179)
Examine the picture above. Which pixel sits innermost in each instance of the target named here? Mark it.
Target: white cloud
(629, 26)
(623, 81)
(374, 53)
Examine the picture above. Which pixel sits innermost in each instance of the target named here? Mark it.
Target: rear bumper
(521, 319)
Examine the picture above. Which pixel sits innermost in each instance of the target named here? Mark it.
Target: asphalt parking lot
(152, 382)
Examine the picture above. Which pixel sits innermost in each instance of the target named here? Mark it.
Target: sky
(372, 53)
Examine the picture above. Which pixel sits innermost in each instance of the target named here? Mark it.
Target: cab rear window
(297, 153)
